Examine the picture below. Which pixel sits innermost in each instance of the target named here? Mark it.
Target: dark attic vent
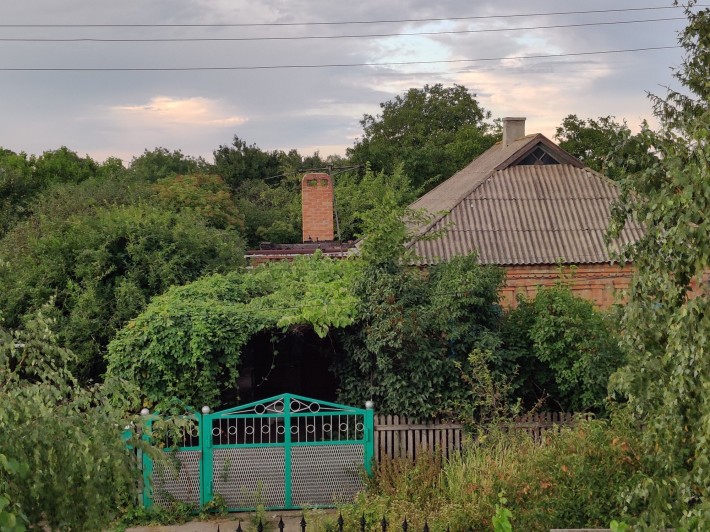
(539, 156)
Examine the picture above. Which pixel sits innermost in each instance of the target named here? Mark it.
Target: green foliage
(18, 185)
(243, 162)
(575, 480)
(433, 131)
(666, 323)
(64, 166)
(356, 195)
(601, 144)
(204, 196)
(23, 178)
(616, 526)
(11, 517)
(160, 163)
(188, 342)
(404, 352)
(489, 401)
(271, 213)
(58, 202)
(578, 345)
(69, 468)
(501, 519)
(693, 100)
(102, 266)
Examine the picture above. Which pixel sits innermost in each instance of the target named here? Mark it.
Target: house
(525, 205)
(532, 208)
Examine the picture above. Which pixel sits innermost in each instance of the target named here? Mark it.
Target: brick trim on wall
(599, 283)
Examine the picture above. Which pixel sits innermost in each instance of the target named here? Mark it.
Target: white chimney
(513, 129)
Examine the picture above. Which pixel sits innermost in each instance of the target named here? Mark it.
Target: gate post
(206, 476)
(147, 460)
(287, 451)
(369, 436)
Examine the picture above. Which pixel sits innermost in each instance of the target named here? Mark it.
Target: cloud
(167, 111)
(125, 112)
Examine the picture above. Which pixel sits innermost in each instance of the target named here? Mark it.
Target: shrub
(188, 342)
(564, 347)
(102, 267)
(575, 479)
(63, 464)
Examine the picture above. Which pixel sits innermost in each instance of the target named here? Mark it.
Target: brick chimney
(317, 207)
(513, 129)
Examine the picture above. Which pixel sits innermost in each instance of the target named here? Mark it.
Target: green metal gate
(285, 452)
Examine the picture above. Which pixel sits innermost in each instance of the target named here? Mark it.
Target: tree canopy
(666, 323)
(605, 145)
(160, 163)
(433, 131)
(101, 250)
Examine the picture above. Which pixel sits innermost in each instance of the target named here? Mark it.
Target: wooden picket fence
(402, 437)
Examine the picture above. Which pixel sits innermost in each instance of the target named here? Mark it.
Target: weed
(501, 519)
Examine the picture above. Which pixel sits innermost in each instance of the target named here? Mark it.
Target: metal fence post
(287, 451)
(369, 436)
(204, 420)
(147, 461)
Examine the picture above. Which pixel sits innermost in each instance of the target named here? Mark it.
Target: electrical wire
(338, 23)
(330, 65)
(327, 37)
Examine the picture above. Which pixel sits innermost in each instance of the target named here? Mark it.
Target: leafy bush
(405, 352)
(188, 342)
(574, 480)
(102, 267)
(202, 195)
(564, 348)
(356, 194)
(69, 468)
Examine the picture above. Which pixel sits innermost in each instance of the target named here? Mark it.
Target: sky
(121, 113)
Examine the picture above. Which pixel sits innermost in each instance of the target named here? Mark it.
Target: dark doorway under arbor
(297, 362)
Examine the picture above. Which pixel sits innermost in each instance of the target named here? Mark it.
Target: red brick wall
(317, 207)
(599, 283)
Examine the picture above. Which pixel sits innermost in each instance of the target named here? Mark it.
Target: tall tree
(666, 324)
(160, 163)
(18, 185)
(241, 162)
(433, 131)
(64, 166)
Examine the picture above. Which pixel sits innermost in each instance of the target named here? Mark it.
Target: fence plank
(403, 437)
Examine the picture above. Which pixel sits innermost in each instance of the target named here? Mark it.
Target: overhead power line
(346, 36)
(345, 22)
(327, 65)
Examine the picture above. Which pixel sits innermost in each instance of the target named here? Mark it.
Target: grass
(575, 478)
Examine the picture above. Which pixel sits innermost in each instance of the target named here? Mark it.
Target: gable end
(540, 151)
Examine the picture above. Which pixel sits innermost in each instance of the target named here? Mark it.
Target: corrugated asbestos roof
(447, 194)
(522, 215)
